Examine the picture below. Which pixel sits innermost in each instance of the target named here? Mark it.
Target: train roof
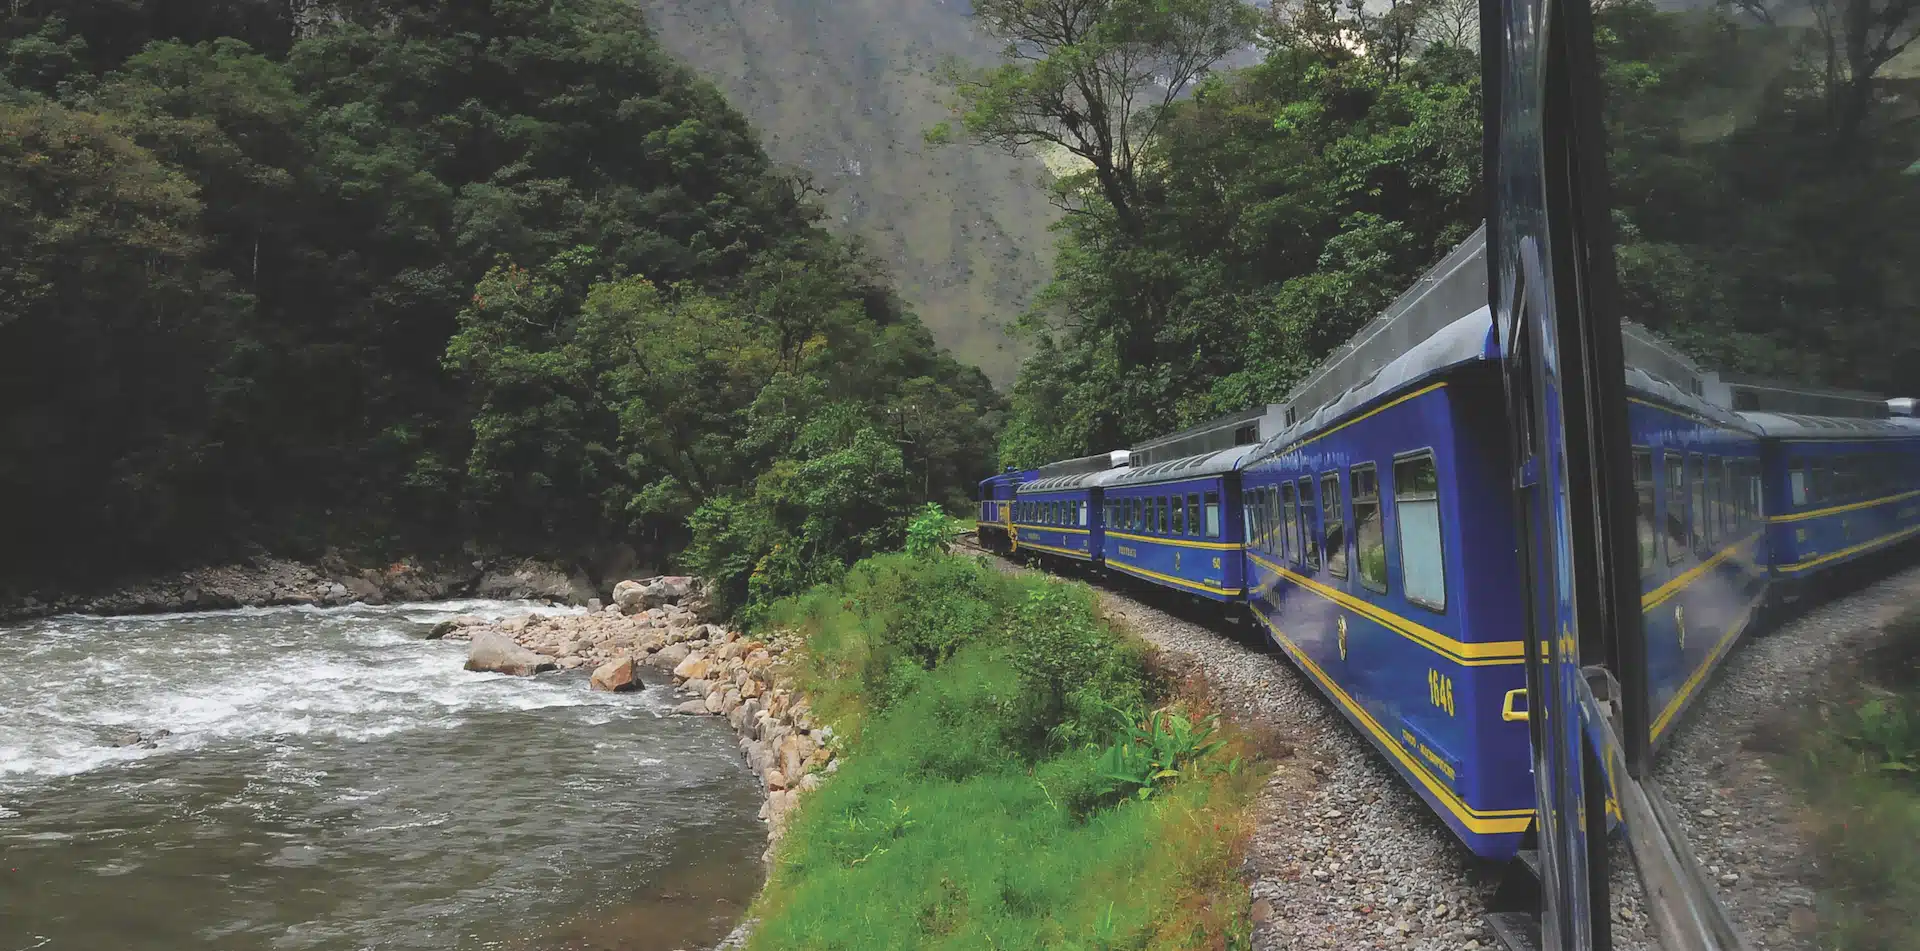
(1013, 476)
(1246, 427)
(1801, 426)
(1903, 406)
(1197, 466)
(1467, 340)
(1657, 369)
(1074, 480)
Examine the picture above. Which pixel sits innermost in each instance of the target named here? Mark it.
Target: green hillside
(845, 89)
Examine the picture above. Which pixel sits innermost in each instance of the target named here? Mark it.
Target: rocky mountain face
(845, 89)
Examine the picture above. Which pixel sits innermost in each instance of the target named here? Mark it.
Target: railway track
(1346, 856)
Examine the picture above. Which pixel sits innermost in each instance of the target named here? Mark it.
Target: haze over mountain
(845, 90)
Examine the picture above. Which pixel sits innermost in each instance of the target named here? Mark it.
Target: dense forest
(1221, 240)
(403, 275)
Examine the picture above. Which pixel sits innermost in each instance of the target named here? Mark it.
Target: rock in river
(617, 675)
(497, 653)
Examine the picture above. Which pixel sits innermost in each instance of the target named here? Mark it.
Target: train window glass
(1699, 484)
(1193, 513)
(1334, 517)
(1797, 480)
(1676, 508)
(1179, 517)
(1724, 489)
(1645, 526)
(1289, 521)
(1709, 487)
(1270, 540)
(1160, 515)
(1369, 535)
(1257, 530)
(1080, 509)
(1213, 514)
(1139, 519)
(1416, 515)
(1309, 534)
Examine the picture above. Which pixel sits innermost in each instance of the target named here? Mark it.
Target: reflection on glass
(1764, 180)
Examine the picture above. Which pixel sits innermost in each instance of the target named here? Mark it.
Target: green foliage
(931, 532)
(435, 273)
(1156, 749)
(1885, 729)
(1764, 199)
(1272, 213)
(959, 817)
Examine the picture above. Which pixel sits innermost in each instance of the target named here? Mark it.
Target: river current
(331, 781)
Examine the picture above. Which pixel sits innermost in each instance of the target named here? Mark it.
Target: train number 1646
(1440, 690)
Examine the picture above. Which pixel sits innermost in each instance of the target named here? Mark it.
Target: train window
(1272, 506)
(1709, 487)
(1645, 525)
(1193, 513)
(1723, 488)
(1160, 515)
(1334, 517)
(1369, 535)
(1757, 506)
(1798, 484)
(1676, 508)
(1289, 521)
(1080, 509)
(1213, 514)
(1309, 535)
(1179, 517)
(1136, 520)
(1699, 485)
(1416, 514)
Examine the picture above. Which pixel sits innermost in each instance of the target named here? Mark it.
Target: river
(332, 780)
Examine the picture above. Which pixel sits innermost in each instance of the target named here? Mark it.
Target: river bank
(654, 632)
(332, 580)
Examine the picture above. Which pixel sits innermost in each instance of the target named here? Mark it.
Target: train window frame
(1677, 532)
(1179, 517)
(1411, 555)
(1161, 520)
(1710, 505)
(1256, 531)
(1369, 497)
(1797, 487)
(1193, 515)
(1081, 509)
(1646, 509)
(1276, 538)
(1309, 532)
(1333, 519)
(1289, 520)
(1211, 501)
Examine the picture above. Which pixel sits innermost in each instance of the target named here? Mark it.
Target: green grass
(970, 810)
(1857, 766)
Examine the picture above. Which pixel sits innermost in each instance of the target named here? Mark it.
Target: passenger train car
(1370, 531)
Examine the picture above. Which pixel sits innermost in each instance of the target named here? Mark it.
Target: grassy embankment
(1858, 765)
(995, 796)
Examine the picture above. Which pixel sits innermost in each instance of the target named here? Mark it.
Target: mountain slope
(844, 89)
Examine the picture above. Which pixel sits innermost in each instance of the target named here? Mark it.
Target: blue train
(1368, 525)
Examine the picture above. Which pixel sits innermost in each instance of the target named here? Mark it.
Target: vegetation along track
(1344, 854)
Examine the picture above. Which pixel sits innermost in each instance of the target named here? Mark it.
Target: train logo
(1342, 625)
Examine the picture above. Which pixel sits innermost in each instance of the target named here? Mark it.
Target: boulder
(626, 597)
(669, 657)
(693, 668)
(442, 629)
(618, 676)
(499, 654)
(692, 708)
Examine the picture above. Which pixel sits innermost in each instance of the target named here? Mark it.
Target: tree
(1094, 77)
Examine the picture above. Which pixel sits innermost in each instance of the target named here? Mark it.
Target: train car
(1838, 490)
(1381, 556)
(1699, 523)
(1175, 523)
(1056, 513)
(995, 527)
